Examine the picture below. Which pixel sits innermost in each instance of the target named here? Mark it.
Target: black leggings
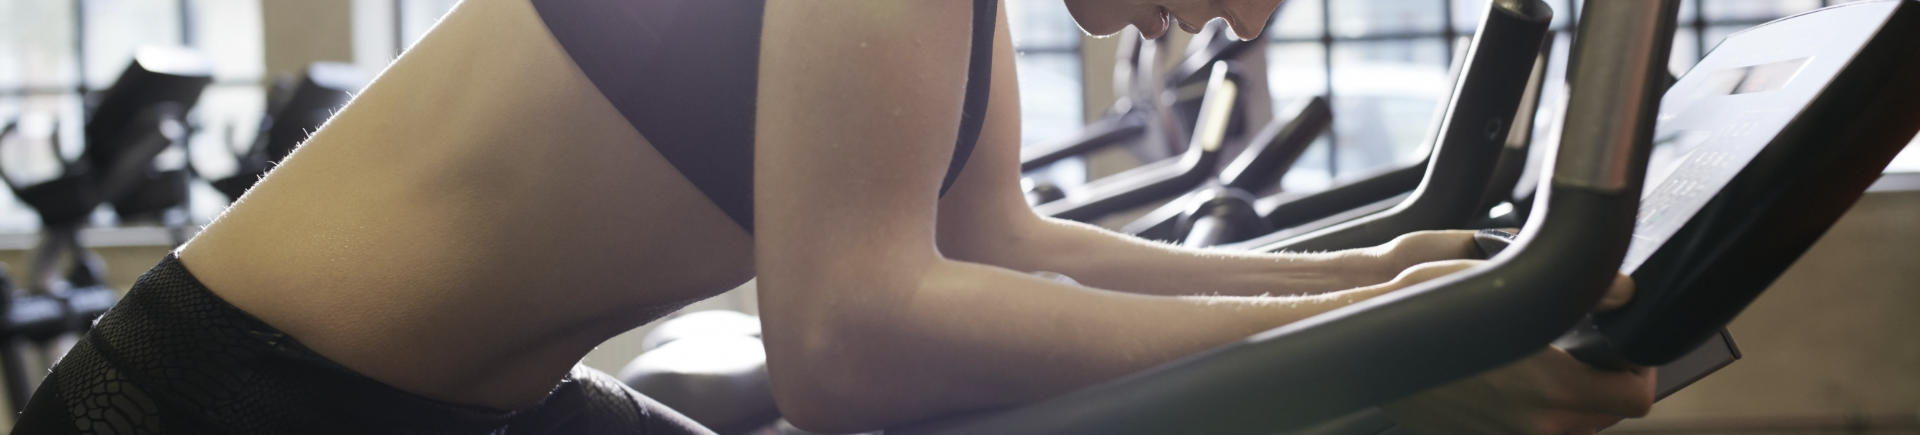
(173, 358)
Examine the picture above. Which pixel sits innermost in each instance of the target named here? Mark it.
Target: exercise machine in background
(1145, 97)
(296, 107)
(132, 124)
(1161, 180)
(1228, 195)
(1505, 64)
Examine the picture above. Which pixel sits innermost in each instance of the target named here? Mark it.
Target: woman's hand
(1392, 259)
(1547, 393)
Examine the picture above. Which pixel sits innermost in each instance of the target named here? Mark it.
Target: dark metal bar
(1609, 97)
(1165, 179)
(1471, 137)
(399, 28)
(1326, 57)
(1100, 134)
(1447, 31)
(1573, 14)
(80, 48)
(1278, 146)
(187, 33)
(1699, 25)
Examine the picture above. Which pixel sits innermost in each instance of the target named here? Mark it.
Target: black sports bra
(691, 90)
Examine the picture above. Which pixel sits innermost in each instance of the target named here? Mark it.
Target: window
(1384, 63)
(1047, 43)
(56, 51)
(231, 34)
(416, 17)
(113, 29)
(37, 53)
(1388, 62)
(39, 74)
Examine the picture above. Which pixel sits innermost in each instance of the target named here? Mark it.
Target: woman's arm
(870, 323)
(867, 323)
(984, 218)
(1107, 259)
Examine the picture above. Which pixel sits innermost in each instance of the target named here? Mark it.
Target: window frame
(1695, 21)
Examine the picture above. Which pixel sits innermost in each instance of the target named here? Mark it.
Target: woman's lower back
(472, 224)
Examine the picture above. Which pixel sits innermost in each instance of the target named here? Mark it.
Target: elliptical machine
(140, 117)
(1781, 134)
(296, 107)
(1154, 110)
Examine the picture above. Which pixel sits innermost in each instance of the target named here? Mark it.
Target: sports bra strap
(979, 84)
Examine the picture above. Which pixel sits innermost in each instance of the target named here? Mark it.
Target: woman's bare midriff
(472, 224)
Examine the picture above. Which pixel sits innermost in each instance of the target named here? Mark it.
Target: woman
(537, 176)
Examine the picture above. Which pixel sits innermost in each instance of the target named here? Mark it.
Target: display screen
(1756, 78)
(1687, 168)
(1705, 138)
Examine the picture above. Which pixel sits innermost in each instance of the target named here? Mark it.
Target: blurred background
(1384, 64)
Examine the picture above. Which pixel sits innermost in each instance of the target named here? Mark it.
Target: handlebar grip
(1489, 243)
(1585, 341)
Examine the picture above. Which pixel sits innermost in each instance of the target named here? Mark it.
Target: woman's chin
(1101, 19)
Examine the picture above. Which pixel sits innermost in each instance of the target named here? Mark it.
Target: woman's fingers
(1574, 424)
(1584, 389)
(1618, 294)
(1419, 247)
(1585, 399)
(1618, 393)
(1433, 269)
(1549, 393)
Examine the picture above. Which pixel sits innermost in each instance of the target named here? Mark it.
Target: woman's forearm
(974, 337)
(1105, 259)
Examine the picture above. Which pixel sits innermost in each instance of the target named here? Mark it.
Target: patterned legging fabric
(173, 358)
